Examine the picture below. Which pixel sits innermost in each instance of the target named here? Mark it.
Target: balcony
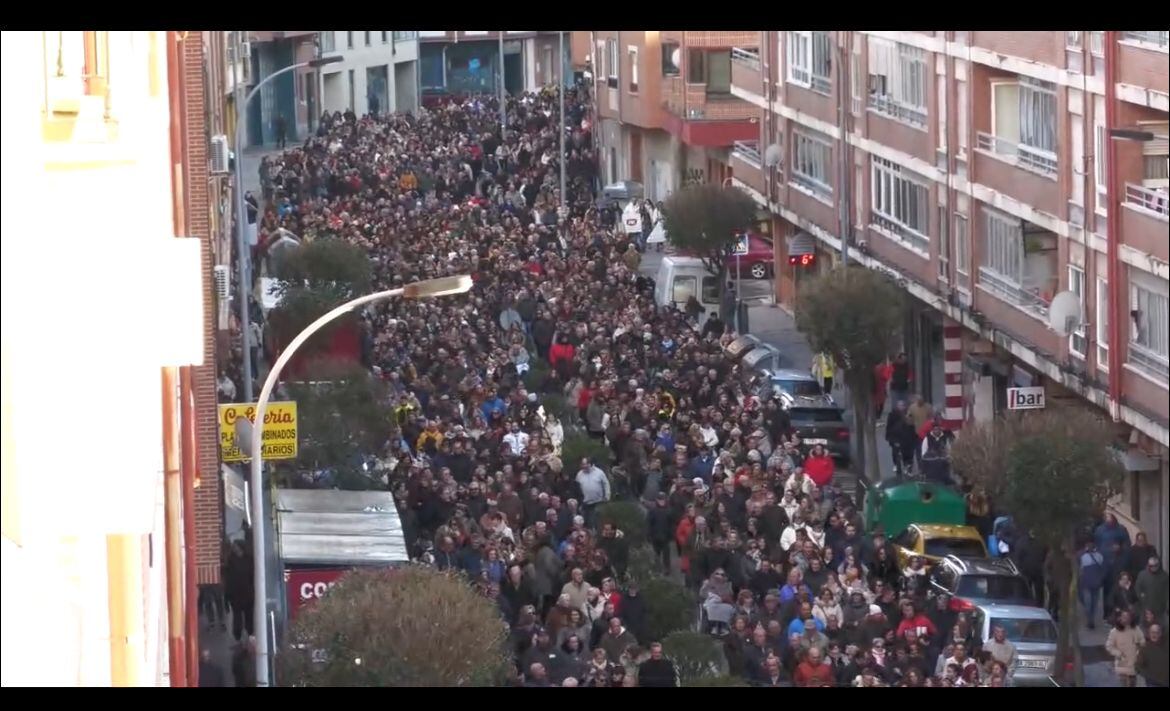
(1004, 289)
(1158, 39)
(1017, 154)
(702, 117)
(1144, 216)
(746, 71)
(748, 165)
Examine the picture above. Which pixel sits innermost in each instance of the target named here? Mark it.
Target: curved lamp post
(444, 286)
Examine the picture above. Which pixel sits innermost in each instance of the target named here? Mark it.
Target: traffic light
(803, 260)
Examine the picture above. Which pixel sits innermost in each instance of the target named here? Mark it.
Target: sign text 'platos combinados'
(278, 437)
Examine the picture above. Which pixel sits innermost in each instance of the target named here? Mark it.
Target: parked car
(979, 581)
(757, 263)
(933, 542)
(1032, 631)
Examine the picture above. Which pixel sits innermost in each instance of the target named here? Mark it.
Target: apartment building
(461, 63)
(379, 70)
(665, 112)
(110, 501)
(988, 171)
(292, 96)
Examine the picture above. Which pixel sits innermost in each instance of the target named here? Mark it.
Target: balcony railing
(405, 35)
(1149, 199)
(1159, 39)
(1007, 290)
(748, 151)
(883, 104)
(750, 57)
(1149, 362)
(1026, 157)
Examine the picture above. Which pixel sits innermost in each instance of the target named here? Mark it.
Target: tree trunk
(1068, 648)
(864, 430)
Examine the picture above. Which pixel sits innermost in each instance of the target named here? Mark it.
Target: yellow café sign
(279, 436)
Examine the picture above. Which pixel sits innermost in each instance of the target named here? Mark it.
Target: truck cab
(680, 278)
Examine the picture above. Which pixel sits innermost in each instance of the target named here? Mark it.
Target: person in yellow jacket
(429, 435)
(823, 369)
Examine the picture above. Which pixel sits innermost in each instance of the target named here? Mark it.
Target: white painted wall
(335, 77)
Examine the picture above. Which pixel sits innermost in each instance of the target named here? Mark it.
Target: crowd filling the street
(555, 418)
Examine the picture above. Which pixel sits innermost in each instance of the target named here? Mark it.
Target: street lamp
(444, 286)
(241, 219)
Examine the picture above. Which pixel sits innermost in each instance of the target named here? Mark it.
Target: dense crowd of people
(560, 338)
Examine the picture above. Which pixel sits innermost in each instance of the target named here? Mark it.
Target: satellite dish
(772, 155)
(676, 57)
(1065, 314)
(244, 436)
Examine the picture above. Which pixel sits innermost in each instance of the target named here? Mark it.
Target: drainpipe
(172, 464)
(842, 121)
(1117, 315)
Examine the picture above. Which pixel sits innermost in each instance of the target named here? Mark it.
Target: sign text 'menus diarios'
(279, 436)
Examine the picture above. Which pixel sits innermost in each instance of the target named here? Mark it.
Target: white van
(680, 278)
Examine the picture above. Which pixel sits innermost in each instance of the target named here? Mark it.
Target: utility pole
(503, 102)
(561, 94)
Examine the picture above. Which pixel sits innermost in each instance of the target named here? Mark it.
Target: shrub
(695, 655)
(558, 405)
(579, 445)
(643, 564)
(669, 607)
(628, 517)
(407, 627)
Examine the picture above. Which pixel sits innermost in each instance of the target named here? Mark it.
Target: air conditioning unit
(223, 282)
(220, 156)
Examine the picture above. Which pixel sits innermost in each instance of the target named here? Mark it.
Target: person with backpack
(1091, 580)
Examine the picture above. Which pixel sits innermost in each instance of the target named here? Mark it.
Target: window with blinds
(898, 81)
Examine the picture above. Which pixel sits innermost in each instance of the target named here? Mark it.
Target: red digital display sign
(803, 260)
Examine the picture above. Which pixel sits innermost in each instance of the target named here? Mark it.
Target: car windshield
(962, 547)
(993, 587)
(1027, 631)
(798, 388)
(815, 414)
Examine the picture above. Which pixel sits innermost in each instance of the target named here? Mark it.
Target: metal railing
(1157, 38)
(1149, 362)
(900, 231)
(821, 85)
(884, 104)
(750, 57)
(405, 35)
(1151, 199)
(1007, 290)
(1026, 157)
(748, 151)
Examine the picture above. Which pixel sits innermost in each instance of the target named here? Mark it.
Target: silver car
(1032, 631)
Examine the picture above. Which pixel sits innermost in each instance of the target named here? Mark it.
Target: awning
(801, 243)
(323, 527)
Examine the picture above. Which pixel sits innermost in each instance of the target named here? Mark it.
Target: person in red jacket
(819, 466)
(560, 356)
(813, 671)
(914, 619)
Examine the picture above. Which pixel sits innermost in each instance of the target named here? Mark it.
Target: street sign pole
(738, 295)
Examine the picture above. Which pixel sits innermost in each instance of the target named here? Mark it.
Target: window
(1149, 341)
(368, 41)
(328, 41)
(1038, 114)
(97, 62)
(810, 60)
(1072, 40)
(696, 66)
(611, 62)
(962, 249)
(944, 245)
(1156, 156)
(352, 91)
(1003, 250)
(1023, 124)
(710, 290)
(633, 70)
(900, 206)
(812, 164)
(719, 72)
(349, 40)
(1097, 42)
(401, 36)
(1102, 319)
(1100, 164)
(684, 288)
(669, 60)
(1077, 342)
(898, 81)
(385, 36)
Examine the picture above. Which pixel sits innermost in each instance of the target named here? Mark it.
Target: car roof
(1019, 612)
(791, 374)
(936, 530)
(983, 566)
(811, 402)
